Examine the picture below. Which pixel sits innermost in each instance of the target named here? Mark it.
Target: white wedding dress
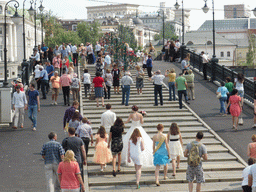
(146, 155)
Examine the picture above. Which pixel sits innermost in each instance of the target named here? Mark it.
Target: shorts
(195, 171)
(241, 93)
(55, 91)
(115, 153)
(144, 66)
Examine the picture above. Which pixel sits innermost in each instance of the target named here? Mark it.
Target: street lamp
(16, 18)
(41, 9)
(161, 10)
(182, 47)
(32, 12)
(214, 59)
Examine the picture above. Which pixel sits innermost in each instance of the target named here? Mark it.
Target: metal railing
(220, 73)
(26, 71)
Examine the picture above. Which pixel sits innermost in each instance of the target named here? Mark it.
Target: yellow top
(172, 77)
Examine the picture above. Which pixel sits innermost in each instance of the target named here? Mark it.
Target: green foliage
(169, 32)
(250, 56)
(89, 32)
(157, 37)
(126, 35)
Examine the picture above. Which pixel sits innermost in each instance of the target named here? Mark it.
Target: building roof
(202, 38)
(113, 5)
(229, 24)
(137, 21)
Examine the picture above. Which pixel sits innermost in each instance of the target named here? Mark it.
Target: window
(235, 13)
(228, 54)
(190, 43)
(209, 43)
(222, 54)
(74, 27)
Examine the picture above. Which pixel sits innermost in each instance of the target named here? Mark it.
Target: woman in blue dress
(161, 152)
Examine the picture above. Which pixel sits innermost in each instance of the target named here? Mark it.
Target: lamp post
(41, 9)
(161, 10)
(214, 60)
(182, 47)
(16, 18)
(32, 12)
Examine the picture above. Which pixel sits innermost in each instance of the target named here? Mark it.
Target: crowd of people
(54, 69)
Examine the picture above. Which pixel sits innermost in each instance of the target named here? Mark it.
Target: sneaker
(55, 103)
(101, 170)
(34, 129)
(52, 103)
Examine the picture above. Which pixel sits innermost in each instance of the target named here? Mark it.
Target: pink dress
(103, 154)
(235, 109)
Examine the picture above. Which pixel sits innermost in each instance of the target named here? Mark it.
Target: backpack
(99, 67)
(194, 159)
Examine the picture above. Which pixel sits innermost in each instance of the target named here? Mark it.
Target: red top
(253, 150)
(68, 172)
(21, 86)
(98, 81)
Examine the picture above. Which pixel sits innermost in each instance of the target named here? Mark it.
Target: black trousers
(158, 90)
(204, 71)
(107, 93)
(38, 83)
(149, 69)
(246, 188)
(75, 59)
(86, 141)
(43, 87)
(87, 88)
(66, 92)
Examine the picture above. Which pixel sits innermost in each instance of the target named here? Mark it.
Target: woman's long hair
(174, 129)
(102, 132)
(119, 122)
(240, 77)
(69, 156)
(136, 133)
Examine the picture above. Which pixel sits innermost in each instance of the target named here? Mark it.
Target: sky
(76, 9)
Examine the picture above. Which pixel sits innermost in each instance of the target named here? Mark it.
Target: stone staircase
(223, 169)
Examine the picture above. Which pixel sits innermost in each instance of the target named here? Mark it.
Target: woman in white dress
(135, 149)
(175, 146)
(147, 154)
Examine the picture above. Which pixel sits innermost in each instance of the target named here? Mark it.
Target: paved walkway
(207, 106)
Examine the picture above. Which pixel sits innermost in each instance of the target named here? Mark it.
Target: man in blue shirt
(45, 51)
(33, 105)
(52, 153)
(50, 71)
(44, 80)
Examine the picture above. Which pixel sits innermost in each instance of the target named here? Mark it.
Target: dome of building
(137, 21)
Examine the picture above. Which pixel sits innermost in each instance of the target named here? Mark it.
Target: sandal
(165, 178)
(158, 184)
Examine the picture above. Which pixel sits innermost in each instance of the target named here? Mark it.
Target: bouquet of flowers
(143, 113)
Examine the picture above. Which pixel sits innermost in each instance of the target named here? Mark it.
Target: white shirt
(239, 85)
(158, 79)
(19, 99)
(87, 78)
(97, 47)
(36, 57)
(68, 49)
(252, 172)
(108, 59)
(126, 80)
(37, 73)
(108, 119)
(245, 175)
(74, 48)
(89, 50)
(205, 58)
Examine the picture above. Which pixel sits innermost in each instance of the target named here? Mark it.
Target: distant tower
(162, 6)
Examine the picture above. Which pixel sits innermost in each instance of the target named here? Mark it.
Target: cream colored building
(14, 41)
(94, 12)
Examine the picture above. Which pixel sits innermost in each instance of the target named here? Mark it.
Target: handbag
(218, 96)
(240, 121)
(92, 96)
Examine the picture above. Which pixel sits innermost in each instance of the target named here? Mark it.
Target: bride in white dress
(147, 154)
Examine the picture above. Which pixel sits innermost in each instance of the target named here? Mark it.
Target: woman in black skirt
(115, 135)
(116, 78)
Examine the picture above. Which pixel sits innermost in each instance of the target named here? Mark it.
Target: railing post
(26, 65)
(223, 73)
(233, 75)
(214, 63)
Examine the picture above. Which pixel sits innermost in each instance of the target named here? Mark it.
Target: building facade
(236, 11)
(111, 10)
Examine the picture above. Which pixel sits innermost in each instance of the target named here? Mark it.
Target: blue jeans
(172, 91)
(125, 92)
(222, 104)
(32, 114)
(184, 92)
(158, 90)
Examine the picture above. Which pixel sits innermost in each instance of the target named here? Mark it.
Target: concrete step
(210, 149)
(207, 166)
(140, 105)
(234, 186)
(149, 179)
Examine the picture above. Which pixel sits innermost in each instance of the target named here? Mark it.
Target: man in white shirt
(177, 49)
(75, 54)
(158, 81)
(245, 175)
(97, 47)
(107, 61)
(252, 178)
(19, 104)
(36, 57)
(205, 60)
(126, 83)
(108, 118)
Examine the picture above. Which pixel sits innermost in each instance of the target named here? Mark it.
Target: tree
(169, 32)
(126, 35)
(250, 56)
(89, 32)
